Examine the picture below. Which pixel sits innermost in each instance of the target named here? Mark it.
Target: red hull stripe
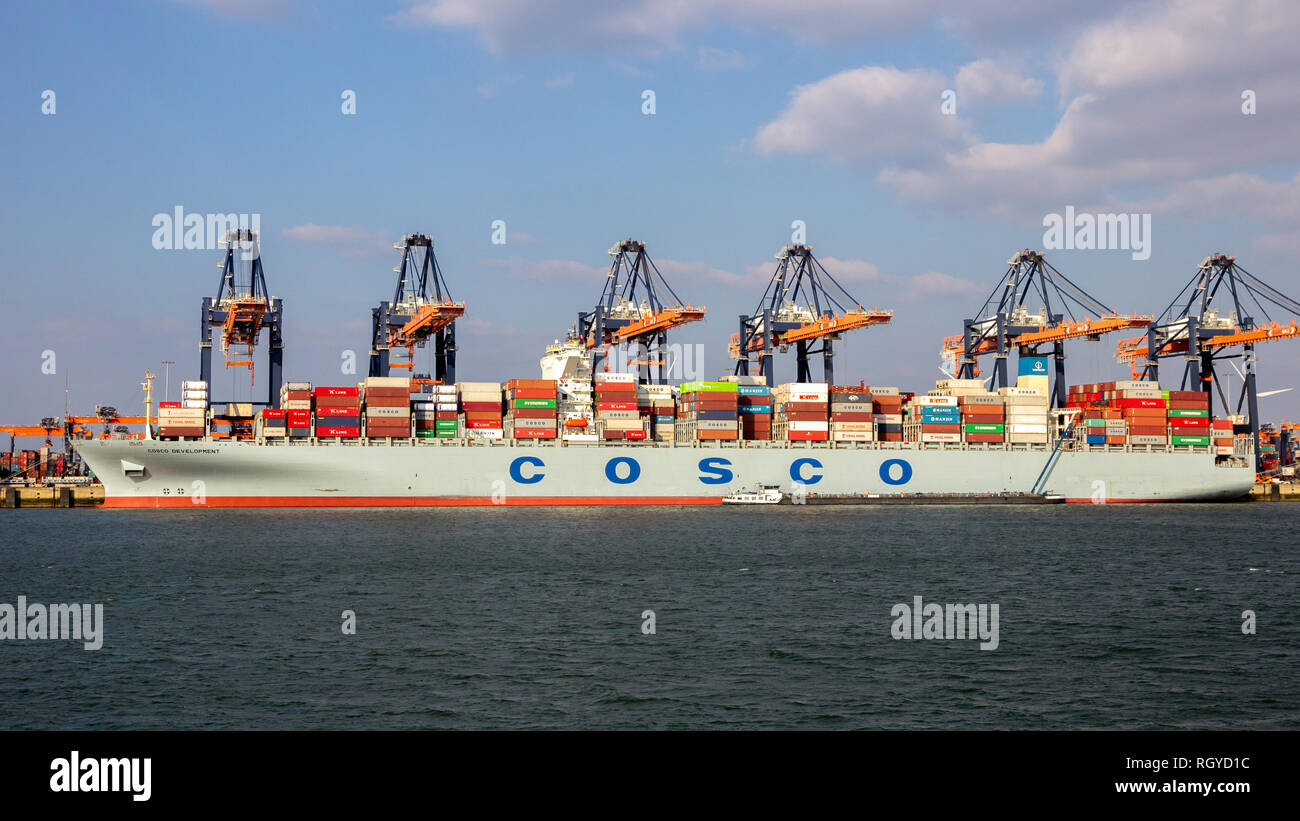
(400, 501)
(1140, 501)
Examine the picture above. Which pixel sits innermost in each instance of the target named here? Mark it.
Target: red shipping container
(615, 387)
(616, 406)
(445, 416)
(274, 413)
(851, 416)
(934, 427)
(482, 424)
(532, 393)
(339, 391)
(982, 418)
(389, 393)
(162, 405)
(816, 407)
(1138, 403)
(534, 433)
(725, 435)
(1185, 396)
(484, 416)
(533, 413)
(532, 384)
(473, 407)
(1189, 423)
(299, 418)
(401, 401)
(1146, 430)
(634, 434)
(806, 416)
(333, 412)
(1186, 404)
(350, 431)
(987, 438)
(296, 396)
(613, 434)
(1221, 424)
(807, 435)
(338, 401)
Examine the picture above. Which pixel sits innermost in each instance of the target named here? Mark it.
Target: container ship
(578, 438)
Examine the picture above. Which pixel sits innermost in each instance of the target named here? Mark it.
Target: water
(1110, 617)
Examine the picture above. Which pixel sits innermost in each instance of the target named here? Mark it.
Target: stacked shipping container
(337, 411)
(436, 412)
(387, 407)
(708, 411)
(802, 412)
(852, 416)
(481, 405)
(616, 406)
(530, 408)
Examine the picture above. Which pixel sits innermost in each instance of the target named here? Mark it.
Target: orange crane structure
(802, 306)
(1212, 319)
(241, 310)
(416, 314)
(631, 313)
(1031, 308)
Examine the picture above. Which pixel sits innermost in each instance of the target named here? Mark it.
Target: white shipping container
(934, 401)
(878, 391)
(888, 418)
(194, 384)
(622, 424)
(614, 377)
(388, 382)
(296, 404)
(1021, 392)
(480, 396)
(479, 387)
(808, 426)
(388, 413)
(613, 414)
(941, 437)
(850, 407)
(853, 426)
(580, 437)
(484, 433)
(1129, 384)
(1027, 438)
(535, 423)
(194, 403)
(716, 424)
(664, 390)
(273, 433)
(1023, 428)
(851, 436)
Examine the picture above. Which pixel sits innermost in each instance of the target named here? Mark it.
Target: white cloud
(547, 270)
(989, 80)
(564, 80)
(1149, 101)
(866, 113)
(650, 27)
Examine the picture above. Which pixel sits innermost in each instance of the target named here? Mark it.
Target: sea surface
(1110, 617)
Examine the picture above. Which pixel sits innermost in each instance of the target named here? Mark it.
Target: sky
(919, 143)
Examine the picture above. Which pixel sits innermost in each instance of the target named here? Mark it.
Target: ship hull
(156, 474)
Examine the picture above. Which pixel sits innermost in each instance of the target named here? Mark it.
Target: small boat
(765, 495)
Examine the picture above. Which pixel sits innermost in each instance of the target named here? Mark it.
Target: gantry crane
(240, 310)
(798, 309)
(1195, 329)
(1007, 320)
(414, 316)
(630, 312)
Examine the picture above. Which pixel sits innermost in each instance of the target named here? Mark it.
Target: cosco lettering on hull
(714, 470)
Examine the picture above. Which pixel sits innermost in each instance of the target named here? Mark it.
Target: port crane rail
(630, 311)
(799, 309)
(414, 317)
(242, 308)
(1008, 322)
(1194, 329)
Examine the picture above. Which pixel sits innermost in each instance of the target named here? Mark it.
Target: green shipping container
(984, 428)
(709, 387)
(1191, 440)
(1094, 423)
(548, 404)
(445, 424)
(1174, 413)
(425, 434)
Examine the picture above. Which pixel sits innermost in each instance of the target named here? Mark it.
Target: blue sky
(531, 113)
